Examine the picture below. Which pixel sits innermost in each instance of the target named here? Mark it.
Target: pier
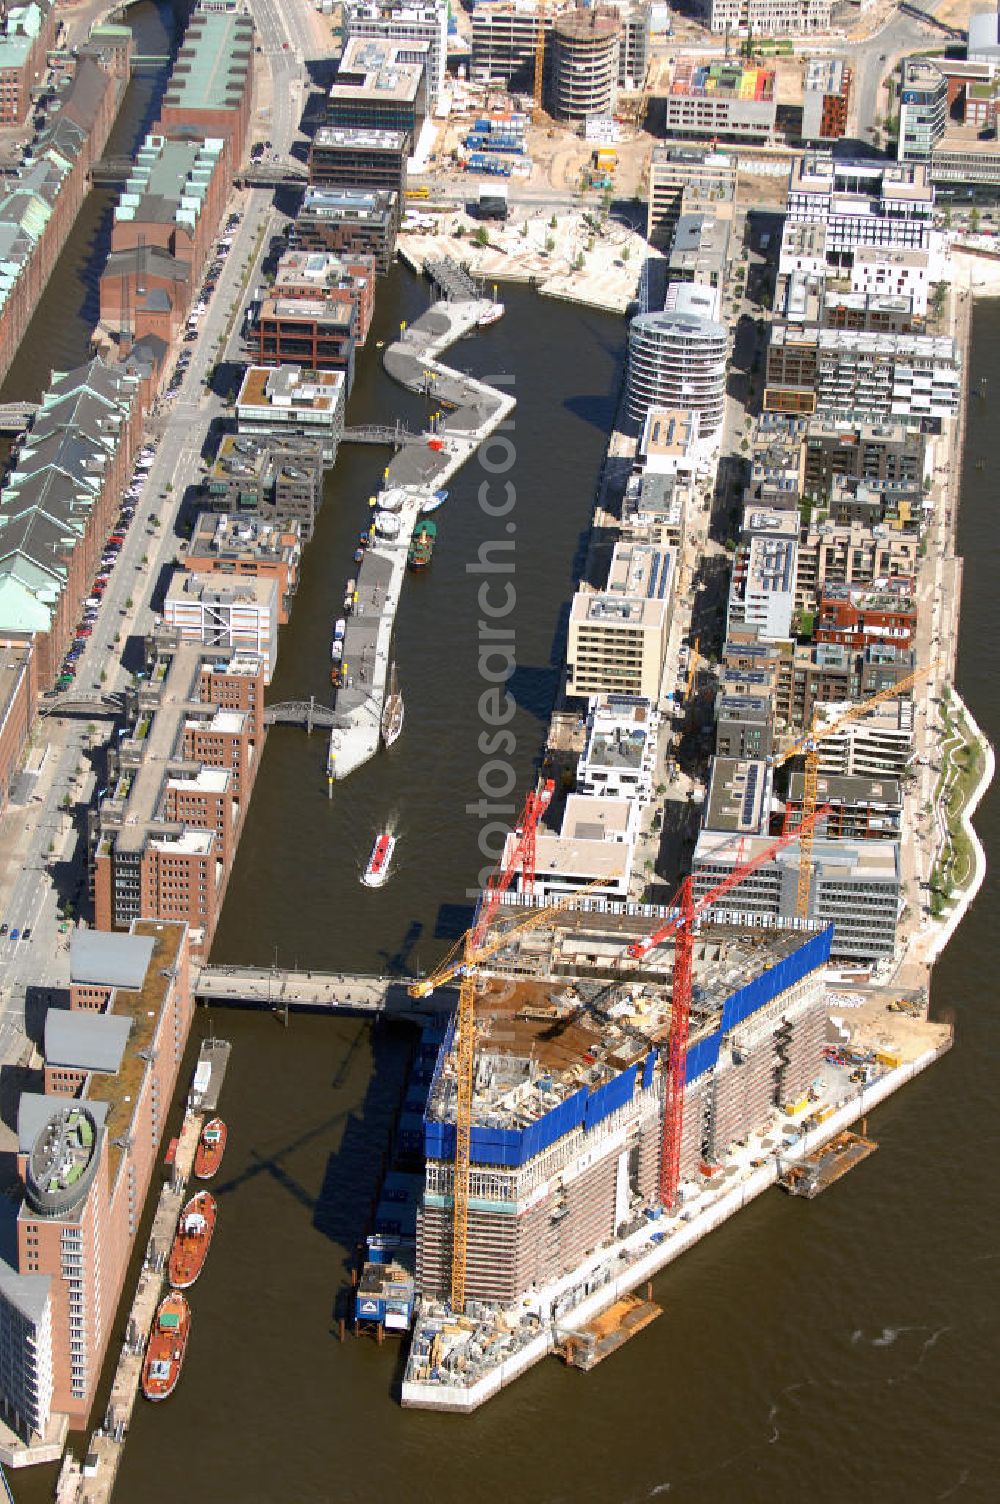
(421, 466)
(314, 991)
(97, 1477)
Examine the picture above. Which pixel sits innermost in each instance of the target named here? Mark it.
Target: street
(41, 841)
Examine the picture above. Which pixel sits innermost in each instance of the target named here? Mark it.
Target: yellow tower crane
(808, 747)
(692, 671)
(539, 59)
(463, 961)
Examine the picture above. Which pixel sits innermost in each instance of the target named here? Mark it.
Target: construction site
(616, 1081)
(619, 1109)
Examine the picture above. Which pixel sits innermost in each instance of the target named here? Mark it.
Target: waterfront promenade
(94, 1483)
(419, 469)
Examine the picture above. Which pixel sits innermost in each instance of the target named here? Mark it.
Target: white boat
(432, 503)
(336, 651)
(387, 524)
(349, 590)
(377, 870)
(492, 315)
(391, 500)
(392, 710)
(339, 628)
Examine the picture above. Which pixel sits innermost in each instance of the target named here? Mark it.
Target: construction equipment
(692, 671)
(522, 860)
(539, 60)
(681, 927)
(808, 747)
(468, 953)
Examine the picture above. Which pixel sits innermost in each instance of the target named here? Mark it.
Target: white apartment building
(876, 746)
(404, 21)
(26, 1368)
(616, 645)
(275, 401)
(677, 359)
(618, 636)
(861, 374)
(768, 18)
(595, 845)
(619, 757)
(762, 588)
(239, 614)
(886, 272)
(885, 204)
(669, 444)
(686, 176)
(803, 250)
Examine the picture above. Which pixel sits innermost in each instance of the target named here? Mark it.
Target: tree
(481, 236)
(974, 218)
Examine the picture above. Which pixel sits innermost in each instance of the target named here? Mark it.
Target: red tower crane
(682, 929)
(522, 858)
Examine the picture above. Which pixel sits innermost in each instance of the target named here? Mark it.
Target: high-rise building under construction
(568, 1101)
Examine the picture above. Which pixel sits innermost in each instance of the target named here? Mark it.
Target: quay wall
(459, 1400)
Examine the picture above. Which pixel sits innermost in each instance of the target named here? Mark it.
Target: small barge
(821, 1168)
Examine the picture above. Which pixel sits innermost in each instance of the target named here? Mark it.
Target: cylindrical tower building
(585, 47)
(678, 360)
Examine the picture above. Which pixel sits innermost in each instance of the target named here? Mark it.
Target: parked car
(27, 932)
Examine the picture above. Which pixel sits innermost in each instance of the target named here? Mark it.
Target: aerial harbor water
(846, 1346)
(754, 1374)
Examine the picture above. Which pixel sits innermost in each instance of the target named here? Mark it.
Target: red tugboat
(192, 1240)
(211, 1147)
(166, 1348)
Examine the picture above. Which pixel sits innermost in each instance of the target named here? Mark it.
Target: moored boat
(166, 1347)
(422, 545)
(349, 590)
(192, 1240)
(392, 710)
(435, 500)
(377, 870)
(493, 314)
(211, 1147)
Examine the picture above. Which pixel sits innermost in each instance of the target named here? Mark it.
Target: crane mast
(681, 927)
(809, 747)
(539, 59)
